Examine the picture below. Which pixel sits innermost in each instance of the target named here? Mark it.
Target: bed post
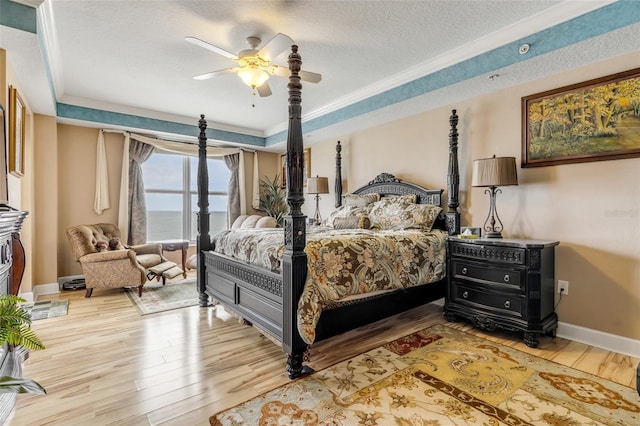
(294, 259)
(203, 240)
(338, 187)
(453, 178)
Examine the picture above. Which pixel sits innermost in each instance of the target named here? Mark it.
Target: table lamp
(317, 185)
(492, 173)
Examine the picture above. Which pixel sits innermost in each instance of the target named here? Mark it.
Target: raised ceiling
(125, 64)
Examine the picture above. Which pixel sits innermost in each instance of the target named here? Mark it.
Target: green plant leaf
(10, 384)
(273, 198)
(15, 324)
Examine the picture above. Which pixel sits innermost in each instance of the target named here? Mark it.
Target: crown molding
(551, 17)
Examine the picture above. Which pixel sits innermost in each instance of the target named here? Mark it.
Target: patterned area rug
(47, 309)
(441, 376)
(177, 293)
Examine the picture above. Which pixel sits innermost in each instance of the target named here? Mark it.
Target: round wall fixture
(524, 49)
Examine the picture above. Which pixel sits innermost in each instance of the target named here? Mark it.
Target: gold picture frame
(307, 167)
(17, 117)
(4, 191)
(590, 121)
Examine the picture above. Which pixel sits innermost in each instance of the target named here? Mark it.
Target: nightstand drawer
(492, 253)
(487, 273)
(488, 301)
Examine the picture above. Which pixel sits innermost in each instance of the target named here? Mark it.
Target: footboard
(252, 292)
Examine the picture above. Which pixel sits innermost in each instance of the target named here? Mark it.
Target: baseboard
(51, 288)
(600, 339)
(28, 296)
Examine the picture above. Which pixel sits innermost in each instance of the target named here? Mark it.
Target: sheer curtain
(234, 208)
(139, 152)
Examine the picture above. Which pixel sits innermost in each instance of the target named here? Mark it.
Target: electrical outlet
(563, 287)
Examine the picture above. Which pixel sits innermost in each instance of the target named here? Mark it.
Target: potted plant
(15, 330)
(273, 198)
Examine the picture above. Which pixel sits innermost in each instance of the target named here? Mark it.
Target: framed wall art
(17, 113)
(4, 192)
(307, 167)
(590, 121)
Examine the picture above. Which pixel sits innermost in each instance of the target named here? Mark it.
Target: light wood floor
(106, 365)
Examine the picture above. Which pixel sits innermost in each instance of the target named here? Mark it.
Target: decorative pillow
(407, 198)
(102, 246)
(363, 200)
(250, 222)
(266, 222)
(115, 244)
(238, 222)
(352, 222)
(398, 216)
(346, 212)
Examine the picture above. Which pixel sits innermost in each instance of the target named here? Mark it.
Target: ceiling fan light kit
(253, 76)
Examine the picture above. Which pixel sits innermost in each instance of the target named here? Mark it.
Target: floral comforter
(343, 262)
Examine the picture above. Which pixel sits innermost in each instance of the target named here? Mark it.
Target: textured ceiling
(130, 57)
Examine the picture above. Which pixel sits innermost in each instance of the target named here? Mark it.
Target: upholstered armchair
(115, 268)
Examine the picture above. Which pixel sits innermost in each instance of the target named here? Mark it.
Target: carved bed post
(203, 240)
(453, 178)
(294, 259)
(338, 187)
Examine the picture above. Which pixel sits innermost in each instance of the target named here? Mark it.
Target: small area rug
(442, 376)
(46, 309)
(177, 293)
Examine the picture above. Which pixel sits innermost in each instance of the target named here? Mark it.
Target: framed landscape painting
(4, 194)
(17, 113)
(590, 121)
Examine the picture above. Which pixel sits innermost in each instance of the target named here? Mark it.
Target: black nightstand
(502, 283)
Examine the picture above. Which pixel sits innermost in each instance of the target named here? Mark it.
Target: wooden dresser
(502, 283)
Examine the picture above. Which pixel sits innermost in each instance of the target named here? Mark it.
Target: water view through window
(171, 195)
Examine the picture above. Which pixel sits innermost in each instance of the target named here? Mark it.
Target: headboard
(387, 184)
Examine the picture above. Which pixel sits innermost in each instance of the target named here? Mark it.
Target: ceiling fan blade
(311, 77)
(278, 70)
(281, 71)
(278, 44)
(209, 75)
(264, 90)
(211, 47)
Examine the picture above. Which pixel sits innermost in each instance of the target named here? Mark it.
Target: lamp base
(317, 218)
(492, 235)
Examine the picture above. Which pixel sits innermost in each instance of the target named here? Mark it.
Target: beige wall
(593, 209)
(21, 195)
(76, 185)
(45, 211)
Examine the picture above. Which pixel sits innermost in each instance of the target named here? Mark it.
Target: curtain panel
(139, 152)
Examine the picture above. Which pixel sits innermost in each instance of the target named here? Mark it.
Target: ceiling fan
(254, 66)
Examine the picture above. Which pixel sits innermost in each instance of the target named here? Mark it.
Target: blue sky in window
(165, 172)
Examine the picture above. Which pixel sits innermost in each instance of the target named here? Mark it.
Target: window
(171, 193)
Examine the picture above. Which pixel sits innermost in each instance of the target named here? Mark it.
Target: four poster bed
(294, 292)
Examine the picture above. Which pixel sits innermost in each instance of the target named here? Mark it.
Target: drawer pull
(465, 294)
(464, 271)
(506, 278)
(507, 304)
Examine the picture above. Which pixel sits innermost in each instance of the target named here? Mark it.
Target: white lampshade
(500, 171)
(253, 77)
(318, 185)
